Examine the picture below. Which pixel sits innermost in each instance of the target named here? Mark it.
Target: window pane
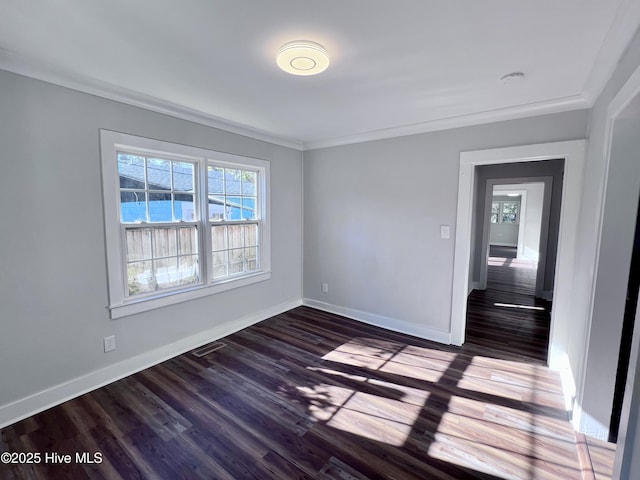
(187, 241)
(158, 174)
(219, 238)
(495, 211)
(249, 208)
(188, 271)
(235, 236)
(160, 207)
(216, 208)
(166, 272)
(184, 207)
(510, 207)
(215, 179)
(249, 180)
(251, 257)
(182, 177)
(133, 207)
(140, 278)
(164, 242)
(219, 264)
(251, 235)
(510, 212)
(236, 261)
(232, 181)
(138, 244)
(170, 273)
(233, 209)
(131, 171)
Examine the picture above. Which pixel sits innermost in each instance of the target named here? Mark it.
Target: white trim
(564, 104)
(171, 298)
(48, 73)
(387, 323)
(120, 305)
(567, 380)
(622, 99)
(627, 437)
(574, 154)
(40, 401)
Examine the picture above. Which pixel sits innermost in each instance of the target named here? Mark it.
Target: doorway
(535, 224)
(561, 329)
(628, 326)
(506, 312)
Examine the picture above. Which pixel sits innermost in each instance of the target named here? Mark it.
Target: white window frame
(121, 305)
(500, 211)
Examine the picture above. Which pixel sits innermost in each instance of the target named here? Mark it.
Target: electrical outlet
(325, 288)
(445, 231)
(109, 343)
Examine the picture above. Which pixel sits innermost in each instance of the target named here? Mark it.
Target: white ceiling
(396, 67)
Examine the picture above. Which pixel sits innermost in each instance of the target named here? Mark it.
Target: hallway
(507, 316)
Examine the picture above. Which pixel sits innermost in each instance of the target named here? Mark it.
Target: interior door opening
(631, 303)
(507, 309)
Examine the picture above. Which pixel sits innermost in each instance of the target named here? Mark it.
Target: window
(181, 222)
(505, 212)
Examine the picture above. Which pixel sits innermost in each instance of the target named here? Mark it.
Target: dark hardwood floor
(312, 395)
(507, 316)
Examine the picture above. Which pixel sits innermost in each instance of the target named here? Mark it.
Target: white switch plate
(445, 231)
(325, 288)
(109, 343)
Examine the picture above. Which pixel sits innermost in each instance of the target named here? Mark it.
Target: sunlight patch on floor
(371, 416)
(364, 352)
(512, 263)
(389, 357)
(508, 461)
(524, 307)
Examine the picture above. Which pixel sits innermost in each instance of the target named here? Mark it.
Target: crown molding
(41, 71)
(622, 30)
(48, 73)
(564, 104)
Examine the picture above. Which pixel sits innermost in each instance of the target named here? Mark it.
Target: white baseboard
(40, 401)
(388, 323)
(592, 427)
(560, 363)
(547, 295)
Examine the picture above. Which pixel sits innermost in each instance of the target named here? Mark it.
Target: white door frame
(573, 153)
(628, 446)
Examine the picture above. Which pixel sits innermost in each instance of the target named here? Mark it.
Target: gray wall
(616, 244)
(601, 343)
(373, 211)
(551, 168)
(532, 220)
(53, 285)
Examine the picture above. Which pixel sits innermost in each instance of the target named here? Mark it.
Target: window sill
(170, 298)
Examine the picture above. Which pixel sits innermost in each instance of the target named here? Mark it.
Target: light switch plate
(445, 231)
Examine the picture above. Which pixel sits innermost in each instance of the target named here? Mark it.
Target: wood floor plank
(312, 395)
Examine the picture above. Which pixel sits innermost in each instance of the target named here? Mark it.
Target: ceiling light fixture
(302, 58)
